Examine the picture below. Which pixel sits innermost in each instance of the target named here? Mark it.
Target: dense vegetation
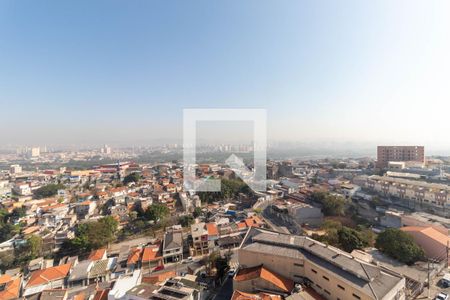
(7, 228)
(345, 238)
(230, 188)
(92, 235)
(156, 212)
(332, 205)
(399, 245)
(48, 190)
(133, 177)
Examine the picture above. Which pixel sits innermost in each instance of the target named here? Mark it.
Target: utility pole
(429, 284)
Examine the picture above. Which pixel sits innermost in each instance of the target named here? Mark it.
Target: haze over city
(349, 72)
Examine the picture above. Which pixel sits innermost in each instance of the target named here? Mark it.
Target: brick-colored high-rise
(385, 154)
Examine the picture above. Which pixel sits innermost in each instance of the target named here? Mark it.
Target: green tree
(186, 221)
(156, 212)
(333, 205)
(197, 212)
(92, 235)
(399, 245)
(133, 177)
(350, 239)
(48, 190)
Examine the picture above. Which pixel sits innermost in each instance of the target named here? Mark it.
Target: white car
(441, 296)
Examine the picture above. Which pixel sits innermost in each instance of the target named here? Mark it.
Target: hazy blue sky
(105, 71)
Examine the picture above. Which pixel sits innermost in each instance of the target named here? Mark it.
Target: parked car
(441, 296)
(231, 272)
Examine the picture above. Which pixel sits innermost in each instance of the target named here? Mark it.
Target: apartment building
(433, 196)
(385, 154)
(332, 273)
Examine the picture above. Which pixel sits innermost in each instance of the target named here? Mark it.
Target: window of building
(318, 286)
(326, 278)
(341, 287)
(314, 271)
(327, 292)
(356, 296)
(298, 265)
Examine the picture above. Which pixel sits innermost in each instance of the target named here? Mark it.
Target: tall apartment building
(385, 154)
(333, 273)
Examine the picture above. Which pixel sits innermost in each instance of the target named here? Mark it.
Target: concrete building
(433, 242)
(200, 244)
(332, 273)
(416, 194)
(173, 246)
(15, 169)
(386, 154)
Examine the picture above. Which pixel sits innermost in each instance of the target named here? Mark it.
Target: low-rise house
(54, 294)
(85, 209)
(173, 246)
(98, 254)
(152, 257)
(134, 259)
(49, 278)
(200, 245)
(123, 284)
(79, 274)
(143, 291)
(10, 287)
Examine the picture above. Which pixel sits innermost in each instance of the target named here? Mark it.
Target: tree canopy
(93, 235)
(229, 189)
(332, 205)
(48, 190)
(399, 245)
(186, 221)
(133, 177)
(156, 212)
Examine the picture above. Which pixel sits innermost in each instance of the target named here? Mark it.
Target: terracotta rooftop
(151, 253)
(11, 289)
(97, 254)
(212, 229)
(47, 275)
(279, 281)
(238, 295)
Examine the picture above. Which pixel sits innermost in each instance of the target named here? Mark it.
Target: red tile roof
(151, 253)
(97, 254)
(212, 229)
(134, 256)
(238, 295)
(277, 280)
(50, 274)
(12, 287)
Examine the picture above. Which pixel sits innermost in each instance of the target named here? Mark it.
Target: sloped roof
(238, 295)
(261, 272)
(134, 256)
(429, 232)
(12, 287)
(47, 275)
(369, 278)
(151, 253)
(212, 229)
(173, 240)
(97, 254)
